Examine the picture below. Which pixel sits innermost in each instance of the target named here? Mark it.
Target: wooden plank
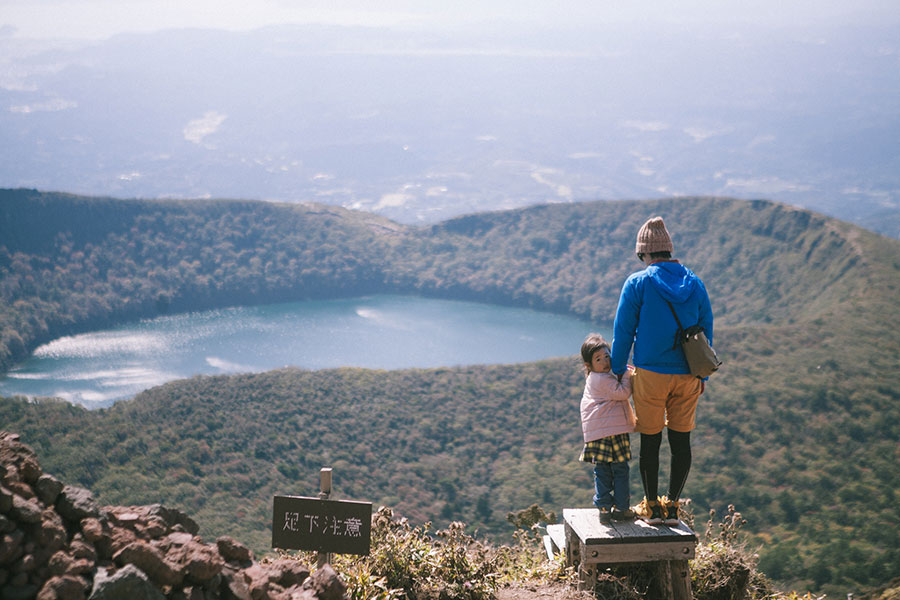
(641, 552)
(640, 531)
(586, 524)
(548, 547)
(557, 535)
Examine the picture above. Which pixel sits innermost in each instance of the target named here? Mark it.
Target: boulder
(11, 546)
(286, 572)
(154, 527)
(326, 584)
(200, 562)
(60, 563)
(65, 587)
(6, 500)
(81, 548)
(48, 489)
(150, 561)
(30, 469)
(121, 538)
(20, 460)
(63, 563)
(259, 581)
(51, 535)
(232, 550)
(300, 593)
(93, 529)
(25, 511)
(235, 585)
(76, 503)
(19, 487)
(174, 518)
(57, 543)
(129, 583)
(98, 533)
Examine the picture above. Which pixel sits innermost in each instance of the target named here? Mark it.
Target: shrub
(723, 568)
(414, 563)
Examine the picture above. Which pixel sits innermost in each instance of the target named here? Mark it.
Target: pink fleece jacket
(604, 406)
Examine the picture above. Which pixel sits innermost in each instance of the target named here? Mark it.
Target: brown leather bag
(701, 358)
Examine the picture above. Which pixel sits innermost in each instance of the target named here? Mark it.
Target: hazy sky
(98, 19)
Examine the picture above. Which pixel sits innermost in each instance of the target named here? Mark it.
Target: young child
(606, 420)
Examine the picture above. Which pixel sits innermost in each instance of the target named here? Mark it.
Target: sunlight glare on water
(380, 332)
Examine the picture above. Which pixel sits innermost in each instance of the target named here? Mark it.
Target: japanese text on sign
(325, 525)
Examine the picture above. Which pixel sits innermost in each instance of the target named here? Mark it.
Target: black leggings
(680, 446)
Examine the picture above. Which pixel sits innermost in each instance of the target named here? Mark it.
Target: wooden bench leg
(573, 558)
(674, 579)
(587, 576)
(664, 579)
(681, 579)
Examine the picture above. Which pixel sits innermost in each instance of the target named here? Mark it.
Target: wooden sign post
(320, 524)
(324, 494)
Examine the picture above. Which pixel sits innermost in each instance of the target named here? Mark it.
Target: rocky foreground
(57, 543)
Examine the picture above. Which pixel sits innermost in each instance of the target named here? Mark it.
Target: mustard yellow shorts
(663, 400)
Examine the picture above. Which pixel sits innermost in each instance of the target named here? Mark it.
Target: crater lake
(96, 369)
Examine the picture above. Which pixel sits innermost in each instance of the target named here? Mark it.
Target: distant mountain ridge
(798, 430)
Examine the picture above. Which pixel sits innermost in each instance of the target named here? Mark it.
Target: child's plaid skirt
(615, 448)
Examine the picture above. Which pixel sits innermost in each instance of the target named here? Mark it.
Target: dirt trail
(556, 591)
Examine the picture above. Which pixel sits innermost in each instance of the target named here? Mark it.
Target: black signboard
(339, 526)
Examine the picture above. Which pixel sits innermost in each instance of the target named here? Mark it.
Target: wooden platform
(588, 544)
(629, 541)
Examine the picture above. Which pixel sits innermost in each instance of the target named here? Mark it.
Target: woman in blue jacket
(664, 391)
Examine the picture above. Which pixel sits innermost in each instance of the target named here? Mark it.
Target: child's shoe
(671, 512)
(605, 516)
(622, 515)
(650, 512)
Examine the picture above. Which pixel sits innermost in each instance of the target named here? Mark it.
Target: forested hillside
(70, 263)
(799, 430)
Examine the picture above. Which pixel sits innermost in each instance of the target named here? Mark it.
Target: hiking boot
(605, 516)
(650, 513)
(671, 513)
(622, 515)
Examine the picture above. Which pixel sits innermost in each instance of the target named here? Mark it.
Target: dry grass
(416, 563)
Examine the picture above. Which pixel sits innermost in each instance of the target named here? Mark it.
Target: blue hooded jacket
(644, 320)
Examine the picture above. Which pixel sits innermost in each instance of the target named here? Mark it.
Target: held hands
(630, 369)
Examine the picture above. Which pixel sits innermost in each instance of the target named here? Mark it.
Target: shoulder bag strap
(680, 328)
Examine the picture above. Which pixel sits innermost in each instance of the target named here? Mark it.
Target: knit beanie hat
(653, 237)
